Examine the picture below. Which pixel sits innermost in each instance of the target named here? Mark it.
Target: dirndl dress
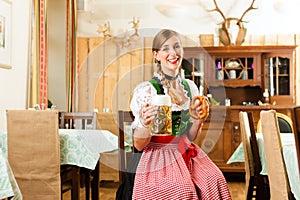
(171, 167)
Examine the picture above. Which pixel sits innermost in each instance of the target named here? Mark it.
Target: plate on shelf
(233, 64)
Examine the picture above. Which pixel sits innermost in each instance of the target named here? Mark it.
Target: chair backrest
(297, 132)
(245, 133)
(254, 145)
(125, 118)
(108, 121)
(279, 185)
(34, 153)
(78, 120)
(285, 123)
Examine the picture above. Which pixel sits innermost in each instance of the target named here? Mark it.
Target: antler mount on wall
(232, 30)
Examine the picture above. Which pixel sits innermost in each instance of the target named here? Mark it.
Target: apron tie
(188, 151)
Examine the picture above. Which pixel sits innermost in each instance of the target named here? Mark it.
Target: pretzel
(195, 103)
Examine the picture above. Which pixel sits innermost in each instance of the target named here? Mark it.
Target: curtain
(72, 64)
(39, 68)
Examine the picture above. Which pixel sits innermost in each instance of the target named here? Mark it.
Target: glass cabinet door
(194, 70)
(277, 79)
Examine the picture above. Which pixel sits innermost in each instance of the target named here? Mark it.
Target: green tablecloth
(289, 155)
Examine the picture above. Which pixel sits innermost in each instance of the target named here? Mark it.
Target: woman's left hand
(199, 108)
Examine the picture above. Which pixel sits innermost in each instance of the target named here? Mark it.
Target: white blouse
(144, 92)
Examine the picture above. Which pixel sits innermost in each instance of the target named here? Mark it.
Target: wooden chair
(124, 118)
(78, 120)
(279, 184)
(256, 184)
(284, 121)
(34, 153)
(71, 174)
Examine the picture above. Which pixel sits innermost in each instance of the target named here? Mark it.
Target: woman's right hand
(147, 114)
(142, 135)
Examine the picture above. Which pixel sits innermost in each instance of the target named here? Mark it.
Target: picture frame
(5, 33)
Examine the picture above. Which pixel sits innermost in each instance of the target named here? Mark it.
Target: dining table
(82, 148)
(289, 155)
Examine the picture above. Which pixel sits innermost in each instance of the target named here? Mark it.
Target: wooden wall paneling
(137, 70)
(124, 82)
(271, 39)
(96, 68)
(82, 50)
(194, 40)
(97, 88)
(82, 53)
(149, 66)
(148, 58)
(86, 77)
(136, 58)
(103, 54)
(247, 40)
(95, 42)
(148, 43)
(191, 40)
(286, 39)
(110, 82)
(83, 93)
(99, 94)
(257, 40)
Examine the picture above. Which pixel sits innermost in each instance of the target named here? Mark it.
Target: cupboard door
(219, 138)
(193, 66)
(278, 78)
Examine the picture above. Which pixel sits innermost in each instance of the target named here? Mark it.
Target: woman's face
(170, 56)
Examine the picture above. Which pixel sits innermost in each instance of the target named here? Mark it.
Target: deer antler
(218, 10)
(250, 8)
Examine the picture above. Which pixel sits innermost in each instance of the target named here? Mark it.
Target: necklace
(171, 77)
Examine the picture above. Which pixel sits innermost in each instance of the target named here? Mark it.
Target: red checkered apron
(174, 168)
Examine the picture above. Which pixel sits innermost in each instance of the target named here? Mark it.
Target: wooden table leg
(75, 193)
(96, 182)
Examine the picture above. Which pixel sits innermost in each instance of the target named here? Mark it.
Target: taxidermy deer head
(232, 31)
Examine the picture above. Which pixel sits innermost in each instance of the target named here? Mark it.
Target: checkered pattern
(163, 174)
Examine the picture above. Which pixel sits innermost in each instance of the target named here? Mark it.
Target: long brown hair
(161, 37)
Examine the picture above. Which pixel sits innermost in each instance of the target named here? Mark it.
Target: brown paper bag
(34, 152)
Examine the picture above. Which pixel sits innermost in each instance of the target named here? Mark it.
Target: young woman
(170, 167)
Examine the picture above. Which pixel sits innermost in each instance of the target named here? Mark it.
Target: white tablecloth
(83, 147)
(8, 183)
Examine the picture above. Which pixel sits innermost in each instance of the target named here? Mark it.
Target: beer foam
(161, 100)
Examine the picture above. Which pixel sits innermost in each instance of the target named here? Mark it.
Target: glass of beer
(162, 124)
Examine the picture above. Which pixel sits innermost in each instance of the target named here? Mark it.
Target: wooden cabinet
(243, 73)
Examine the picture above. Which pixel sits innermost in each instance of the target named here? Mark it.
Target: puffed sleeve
(142, 94)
